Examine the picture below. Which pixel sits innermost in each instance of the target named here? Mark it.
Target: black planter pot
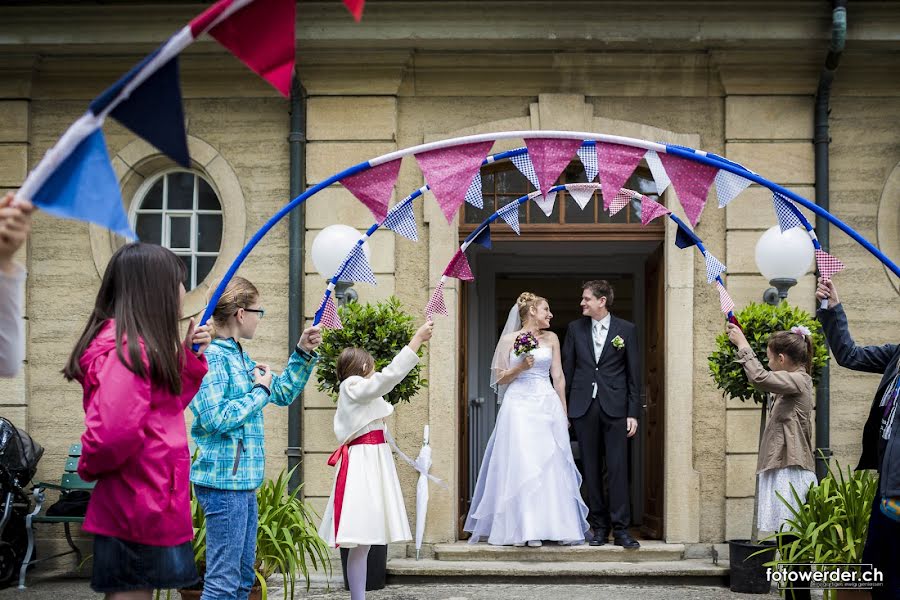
(376, 568)
(748, 575)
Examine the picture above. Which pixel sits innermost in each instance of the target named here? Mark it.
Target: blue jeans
(231, 522)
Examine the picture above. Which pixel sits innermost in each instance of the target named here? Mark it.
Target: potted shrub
(286, 541)
(759, 321)
(382, 329)
(830, 528)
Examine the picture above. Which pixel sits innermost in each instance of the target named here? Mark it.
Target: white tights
(356, 571)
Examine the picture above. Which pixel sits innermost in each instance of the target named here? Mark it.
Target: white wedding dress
(528, 487)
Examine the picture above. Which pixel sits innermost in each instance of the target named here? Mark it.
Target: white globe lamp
(783, 258)
(329, 250)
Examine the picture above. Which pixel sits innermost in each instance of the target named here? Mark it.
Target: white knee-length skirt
(373, 510)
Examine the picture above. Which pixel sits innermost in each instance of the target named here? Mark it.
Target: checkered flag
(725, 301)
(523, 164)
(357, 267)
(622, 199)
(473, 194)
(588, 156)
(436, 304)
(402, 220)
(728, 186)
(714, 267)
(330, 318)
(787, 218)
(660, 177)
(510, 214)
(828, 264)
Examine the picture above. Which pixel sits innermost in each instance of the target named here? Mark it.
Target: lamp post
(783, 258)
(329, 249)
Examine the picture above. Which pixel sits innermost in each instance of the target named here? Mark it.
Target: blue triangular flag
(357, 267)
(84, 187)
(510, 214)
(714, 267)
(523, 163)
(473, 194)
(153, 110)
(787, 218)
(402, 220)
(484, 237)
(684, 238)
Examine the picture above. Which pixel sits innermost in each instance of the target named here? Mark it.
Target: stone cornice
(496, 24)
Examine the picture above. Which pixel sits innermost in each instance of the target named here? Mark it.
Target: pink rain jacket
(135, 447)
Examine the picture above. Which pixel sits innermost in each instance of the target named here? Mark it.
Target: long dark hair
(140, 291)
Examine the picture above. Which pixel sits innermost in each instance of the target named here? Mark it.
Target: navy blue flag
(685, 238)
(153, 110)
(484, 238)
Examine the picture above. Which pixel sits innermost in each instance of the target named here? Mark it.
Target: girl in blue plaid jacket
(228, 429)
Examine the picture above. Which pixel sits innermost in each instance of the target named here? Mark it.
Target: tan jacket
(787, 439)
(360, 400)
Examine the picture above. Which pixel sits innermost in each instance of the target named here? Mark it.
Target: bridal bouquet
(525, 343)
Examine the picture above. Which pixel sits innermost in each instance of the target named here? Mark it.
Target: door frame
(478, 296)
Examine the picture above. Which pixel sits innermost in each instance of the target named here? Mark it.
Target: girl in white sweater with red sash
(366, 506)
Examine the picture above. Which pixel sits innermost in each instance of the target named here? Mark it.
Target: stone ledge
(408, 567)
(650, 550)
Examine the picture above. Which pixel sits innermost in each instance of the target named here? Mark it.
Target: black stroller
(19, 456)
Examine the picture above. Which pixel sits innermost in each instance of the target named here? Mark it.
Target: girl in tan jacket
(785, 451)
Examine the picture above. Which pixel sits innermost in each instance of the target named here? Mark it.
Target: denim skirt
(121, 566)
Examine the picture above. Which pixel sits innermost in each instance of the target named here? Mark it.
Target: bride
(528, 486)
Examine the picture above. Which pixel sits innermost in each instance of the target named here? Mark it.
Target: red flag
(260, 33)
(459, 267)
(355, 7)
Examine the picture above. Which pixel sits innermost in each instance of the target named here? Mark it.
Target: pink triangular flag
(651, 209)
(436, 304)
(623, 197)
(449, 173)
(373, 187)
(828, 264)
(550, 158)
(546, 202)
(725, 301)
(691, 181)
(459, 267)
(616, 163)
(330, 318)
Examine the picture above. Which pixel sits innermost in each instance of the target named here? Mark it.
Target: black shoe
(600, 538)
(624, 539)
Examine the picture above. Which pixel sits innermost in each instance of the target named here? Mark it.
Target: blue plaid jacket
(228, 416)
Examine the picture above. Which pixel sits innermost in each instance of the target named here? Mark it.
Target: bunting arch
(451, 170)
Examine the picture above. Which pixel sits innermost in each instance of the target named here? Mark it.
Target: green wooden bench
(69, 482)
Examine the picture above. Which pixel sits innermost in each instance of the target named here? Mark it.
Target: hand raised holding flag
(15, 225)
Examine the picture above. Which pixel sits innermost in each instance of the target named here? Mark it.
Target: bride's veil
(500, 362)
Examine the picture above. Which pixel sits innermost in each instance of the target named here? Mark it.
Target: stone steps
(650, 551)
(693, 571)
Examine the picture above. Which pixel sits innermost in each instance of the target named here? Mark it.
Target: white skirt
(373, 512)
(772, 511)
(528, 487)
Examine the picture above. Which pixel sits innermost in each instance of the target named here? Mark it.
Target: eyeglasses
(260, 311)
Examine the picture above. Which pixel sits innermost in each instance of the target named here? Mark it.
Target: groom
(600, 363)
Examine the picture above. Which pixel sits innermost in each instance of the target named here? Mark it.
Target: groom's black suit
(600, 421)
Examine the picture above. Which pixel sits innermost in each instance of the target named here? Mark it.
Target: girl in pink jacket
(138, 377)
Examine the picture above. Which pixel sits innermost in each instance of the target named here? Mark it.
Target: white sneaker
(519, 544)
(534, 543)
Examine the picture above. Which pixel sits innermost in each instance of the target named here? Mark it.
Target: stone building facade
(736, 78)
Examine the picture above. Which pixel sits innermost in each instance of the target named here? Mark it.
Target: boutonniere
(618, 343)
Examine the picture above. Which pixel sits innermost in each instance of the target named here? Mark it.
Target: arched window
(180, 209)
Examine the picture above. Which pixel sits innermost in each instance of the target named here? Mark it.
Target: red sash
(343, 454)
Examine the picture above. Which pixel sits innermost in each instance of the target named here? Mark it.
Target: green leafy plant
(759, 321)
(381, 329)
(831, 526)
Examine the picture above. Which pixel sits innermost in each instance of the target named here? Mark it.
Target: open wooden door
(654, 388)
